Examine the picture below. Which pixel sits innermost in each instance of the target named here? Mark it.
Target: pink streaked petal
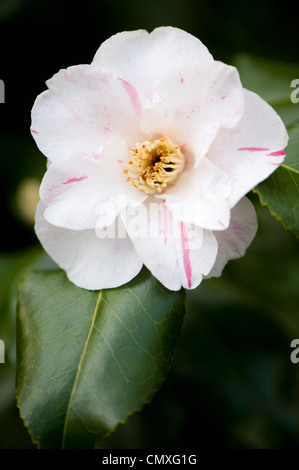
(276, 154)
(233, 242)
(246, 152)
(78, 195)
(133, 94)
(253, 149)
(76, 114)
(141, 58)
(186, 255)
(221, 223)
(75, 180)
(189, 253)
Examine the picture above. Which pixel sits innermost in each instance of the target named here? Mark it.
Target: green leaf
(272, 81)
(13, 266)
(86, 360)
(280, 192)
(268, 78)
(289, 113)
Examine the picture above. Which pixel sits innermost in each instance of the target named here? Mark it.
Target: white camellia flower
(151, 149)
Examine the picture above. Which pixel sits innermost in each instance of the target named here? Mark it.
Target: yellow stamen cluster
(154, 164)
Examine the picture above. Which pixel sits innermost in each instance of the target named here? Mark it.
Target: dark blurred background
(232, 384)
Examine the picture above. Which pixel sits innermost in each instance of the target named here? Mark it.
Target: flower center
(154, 164)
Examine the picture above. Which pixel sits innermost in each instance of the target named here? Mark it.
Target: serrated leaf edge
(137, 410)
(149, 400)
(34, 441)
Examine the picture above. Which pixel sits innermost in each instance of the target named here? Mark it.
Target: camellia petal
(141, 58)
(80, 195)
(91, 258)
(82, 109)
(200, 196)
(233, 242)
(251, 151)
(177, 254)
(192, 105)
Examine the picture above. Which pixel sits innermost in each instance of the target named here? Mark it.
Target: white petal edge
(90, 262)
(251, 151)
(141, 58)
(233, 242)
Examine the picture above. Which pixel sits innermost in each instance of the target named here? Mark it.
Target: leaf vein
(113, 355)
(142, 306)
(92, 325)
(128, 330)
